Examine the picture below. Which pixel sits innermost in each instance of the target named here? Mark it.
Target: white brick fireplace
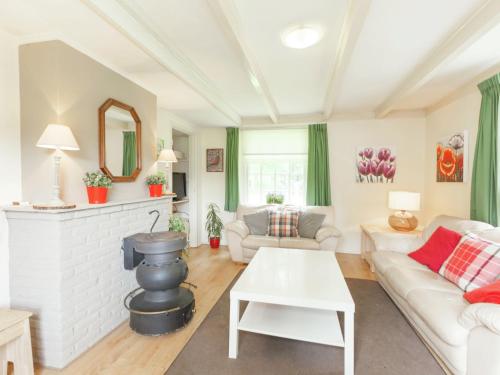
(67, 267)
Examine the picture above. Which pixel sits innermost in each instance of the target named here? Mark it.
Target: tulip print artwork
(375, 165)
(451, 161)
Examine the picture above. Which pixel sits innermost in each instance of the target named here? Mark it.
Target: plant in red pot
(214, 225)
(155, 183)
(97, 187)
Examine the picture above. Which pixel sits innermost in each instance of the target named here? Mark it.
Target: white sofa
(464, 338)
(243, 245)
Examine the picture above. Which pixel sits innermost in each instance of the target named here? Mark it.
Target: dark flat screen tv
(179, 185)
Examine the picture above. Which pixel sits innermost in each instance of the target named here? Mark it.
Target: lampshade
(168, 156)
(404, 201)
(59, 137)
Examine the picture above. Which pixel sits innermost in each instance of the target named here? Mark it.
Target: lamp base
(403, 223)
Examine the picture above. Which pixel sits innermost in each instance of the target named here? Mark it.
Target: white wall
(10, 148)
(166, 123)
(461, 114)
(211, 184)
(357, 203)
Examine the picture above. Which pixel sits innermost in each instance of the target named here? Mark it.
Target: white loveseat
(464, 338)
(243, 245)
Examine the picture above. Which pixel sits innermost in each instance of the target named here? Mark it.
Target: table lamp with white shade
(167, 156)
(57, 137)
(403, 202)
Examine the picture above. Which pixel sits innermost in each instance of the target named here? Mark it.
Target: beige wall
(354, 203)
(357, 203)
(211, 184)
(10, 148)
(461, 114)
(60, 84)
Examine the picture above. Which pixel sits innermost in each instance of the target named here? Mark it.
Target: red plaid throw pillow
(283, 223)
(474, 263)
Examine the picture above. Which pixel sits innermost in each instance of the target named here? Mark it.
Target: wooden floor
(125, 352)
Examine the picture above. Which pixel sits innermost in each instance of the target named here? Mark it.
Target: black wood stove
(160, 305)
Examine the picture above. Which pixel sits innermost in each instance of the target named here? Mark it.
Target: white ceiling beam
(477, 24)
(467, 88)
(285, 120)
(351, 28)
(120, 16)
(227, 16)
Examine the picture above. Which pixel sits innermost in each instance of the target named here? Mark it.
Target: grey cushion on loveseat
(257, 223)
(309, 223)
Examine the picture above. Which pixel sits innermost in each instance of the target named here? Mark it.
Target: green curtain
(232, 179)
(484, 202)
(129, 151)
(318, 170)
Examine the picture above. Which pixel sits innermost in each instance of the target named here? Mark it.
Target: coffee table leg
(348, 343)
(234, 316)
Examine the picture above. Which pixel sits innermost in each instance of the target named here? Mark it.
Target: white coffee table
(294, 294)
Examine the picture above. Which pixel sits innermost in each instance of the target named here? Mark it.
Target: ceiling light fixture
(301, 36)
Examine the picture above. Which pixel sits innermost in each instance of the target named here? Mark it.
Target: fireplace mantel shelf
(81, 210)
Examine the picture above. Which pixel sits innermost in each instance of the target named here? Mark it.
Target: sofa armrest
(327, 231)
(396, 242)
(238, 227)
(481, 314)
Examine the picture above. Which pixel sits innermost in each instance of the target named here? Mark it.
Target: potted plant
(155, 183)
(177, 224)
(97, 187)
(213, 225)
(275, 198)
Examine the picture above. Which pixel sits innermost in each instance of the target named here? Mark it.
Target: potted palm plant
(155, 183)
(213, 225)
(97, 186)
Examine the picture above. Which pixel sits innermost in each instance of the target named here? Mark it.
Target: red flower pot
(214, 242)
(155, 190)
(97, 195)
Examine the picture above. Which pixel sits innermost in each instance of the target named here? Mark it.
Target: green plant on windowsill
(177, 224)
(275, 198)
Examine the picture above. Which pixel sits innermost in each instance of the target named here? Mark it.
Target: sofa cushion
(383, 260)
(299, 243)
(309, 223)
(283, 223)
(405, 280)
(328, 211)
(257, 223)
(440, 310)
(253, 241)
(457, 224)
(439, 247)
(474, 263)
(243, 210)
(487, 294)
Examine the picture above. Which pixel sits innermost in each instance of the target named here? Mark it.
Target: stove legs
(234, 317)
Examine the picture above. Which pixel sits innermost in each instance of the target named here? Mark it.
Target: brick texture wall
(67, 268)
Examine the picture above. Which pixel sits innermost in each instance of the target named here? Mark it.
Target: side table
(367, 241)
(15, 342)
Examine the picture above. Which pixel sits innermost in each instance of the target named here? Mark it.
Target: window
(274, 162)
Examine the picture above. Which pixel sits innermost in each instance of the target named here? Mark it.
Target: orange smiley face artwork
(450, 155)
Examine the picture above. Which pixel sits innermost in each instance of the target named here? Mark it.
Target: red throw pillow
(437, 248)
(487, 294)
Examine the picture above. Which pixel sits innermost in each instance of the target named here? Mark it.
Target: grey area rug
(385, 344)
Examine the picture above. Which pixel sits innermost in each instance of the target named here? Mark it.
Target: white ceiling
(221, 62)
